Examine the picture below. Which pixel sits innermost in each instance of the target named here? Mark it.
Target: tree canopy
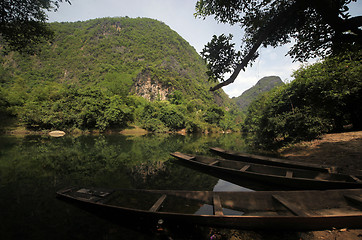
(318, 28)
(324, 97)
(23, 23)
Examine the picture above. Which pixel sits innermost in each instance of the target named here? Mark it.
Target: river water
(33, 168)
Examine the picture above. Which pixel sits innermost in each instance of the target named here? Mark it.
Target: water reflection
(224, 186)
(33, 168)
(208, 209)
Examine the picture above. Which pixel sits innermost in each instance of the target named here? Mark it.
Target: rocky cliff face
(150, 88)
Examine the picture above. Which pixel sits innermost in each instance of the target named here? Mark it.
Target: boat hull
(315, 222)
(268, 175)
(252, 158)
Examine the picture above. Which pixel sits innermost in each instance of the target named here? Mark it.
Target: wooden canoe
(278, 162)
(265, 210)
(237, 172)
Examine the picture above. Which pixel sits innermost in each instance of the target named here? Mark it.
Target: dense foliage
(221, 56)
(317, 29)
(193, 116)
(23, 23)
(75, 108)
(324, 97)
(85, 79)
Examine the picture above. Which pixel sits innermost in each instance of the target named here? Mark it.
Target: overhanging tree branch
(243, 64)
(23, 23)
(319, 27)
(264, 33)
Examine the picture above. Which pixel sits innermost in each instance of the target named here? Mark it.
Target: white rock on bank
(57, 133)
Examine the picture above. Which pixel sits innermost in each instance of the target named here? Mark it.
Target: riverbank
(343, 150)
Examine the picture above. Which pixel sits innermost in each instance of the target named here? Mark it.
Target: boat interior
(277, 203)
(276, 171)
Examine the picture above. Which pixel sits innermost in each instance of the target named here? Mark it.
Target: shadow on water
(33, 168)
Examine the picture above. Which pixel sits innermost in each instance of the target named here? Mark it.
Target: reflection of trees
(33, 168)
(200, 144)
(92, 159)
(174, 176)
(90, 156)
(148, 169)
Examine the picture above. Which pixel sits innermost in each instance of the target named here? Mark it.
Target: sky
(179, 16)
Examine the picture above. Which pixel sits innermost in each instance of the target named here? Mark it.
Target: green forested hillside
(113, 50)
(265, 84)
(92, 74)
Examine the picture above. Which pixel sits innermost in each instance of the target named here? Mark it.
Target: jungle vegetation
(85, 79)
(323, 97)
(23, 24)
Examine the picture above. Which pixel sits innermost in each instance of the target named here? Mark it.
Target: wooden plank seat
(156, 206)
(295, 209)
(289, 174)
(243, 169)
(355, 199)
(215, 162)
(217, 205)
(355, 178)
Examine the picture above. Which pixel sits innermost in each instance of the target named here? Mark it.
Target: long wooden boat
(238, 171)
(278, 162)
(273, 210)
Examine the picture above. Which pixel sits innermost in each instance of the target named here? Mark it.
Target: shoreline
(343, 150)
(133, 130)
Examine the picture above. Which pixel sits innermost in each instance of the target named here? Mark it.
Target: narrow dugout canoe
(278, 162)
(265, 210)
(237, 171)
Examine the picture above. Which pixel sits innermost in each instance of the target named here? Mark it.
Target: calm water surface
(33, 168)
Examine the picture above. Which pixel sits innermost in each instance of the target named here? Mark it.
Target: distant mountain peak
(265, 84)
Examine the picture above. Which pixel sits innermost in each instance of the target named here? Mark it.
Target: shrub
(214, 114)
(154, 125)
(77, 108)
